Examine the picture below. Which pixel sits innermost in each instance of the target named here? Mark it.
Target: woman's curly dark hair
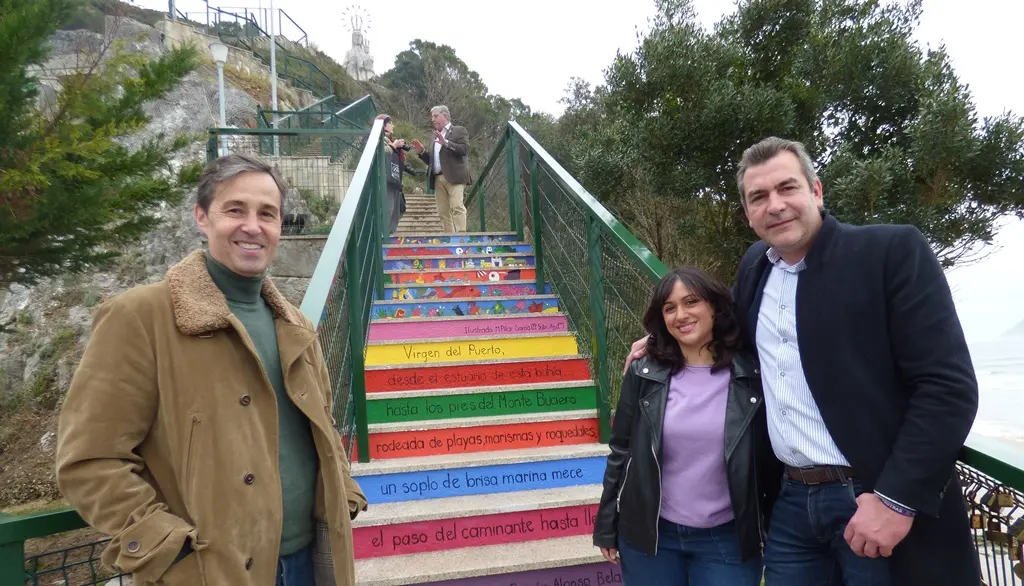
(726, 338)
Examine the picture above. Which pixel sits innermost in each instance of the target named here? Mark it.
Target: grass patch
(324, 208)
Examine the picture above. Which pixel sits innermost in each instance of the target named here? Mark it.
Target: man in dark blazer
(448, 166)
(869, 387)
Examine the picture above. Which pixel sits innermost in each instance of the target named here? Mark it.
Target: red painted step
(477, 374)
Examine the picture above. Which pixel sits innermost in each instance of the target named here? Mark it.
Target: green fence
(602, 273)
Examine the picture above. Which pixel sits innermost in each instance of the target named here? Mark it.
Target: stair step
(410, 527)
(542, 430)
(438, 237)
(477, 374)
(561, 560)
(411, 291)
(481, 421)
(448, 350)
(485, 306)
(463, 276)
(465, 261)
(407, 329)
(432, 250)
(455, 391)
(453, 407)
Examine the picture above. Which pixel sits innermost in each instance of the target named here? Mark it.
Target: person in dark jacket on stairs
(396, 165)
(682, 504)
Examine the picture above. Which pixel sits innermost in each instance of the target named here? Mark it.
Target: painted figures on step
(681, 501)
(447, 162)
(197, 432)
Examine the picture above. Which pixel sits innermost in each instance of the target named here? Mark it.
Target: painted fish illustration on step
(520, 307)
(473, 309)
(399, 313)
(536, 307)
(404, 295)
(498, 308)
(457, 310)
(416, 312)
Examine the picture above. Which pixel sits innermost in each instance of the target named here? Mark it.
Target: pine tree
(71, 192)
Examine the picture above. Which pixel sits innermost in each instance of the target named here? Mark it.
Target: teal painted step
(466, 238)
(464, 262)
(484, 306)
(444, 404)
(407, 250)
(411, 291)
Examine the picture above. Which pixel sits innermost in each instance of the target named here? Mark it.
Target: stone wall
(296, 259)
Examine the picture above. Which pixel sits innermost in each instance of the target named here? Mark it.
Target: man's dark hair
(228, 167)
(725, 331)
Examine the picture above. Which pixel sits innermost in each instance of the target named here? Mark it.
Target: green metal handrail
(351, 114)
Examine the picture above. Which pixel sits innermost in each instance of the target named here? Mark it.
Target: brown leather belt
(820, 474)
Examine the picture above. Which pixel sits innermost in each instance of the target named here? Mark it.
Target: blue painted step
(453, 238)
(475, 262)
(428, 484)
(432, 292)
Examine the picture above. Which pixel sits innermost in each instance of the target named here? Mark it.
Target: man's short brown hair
(228, 167)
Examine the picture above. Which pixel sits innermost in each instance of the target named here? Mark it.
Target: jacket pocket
(191, 459)
(185, 572)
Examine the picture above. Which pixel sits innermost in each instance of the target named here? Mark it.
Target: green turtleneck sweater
(297, 458)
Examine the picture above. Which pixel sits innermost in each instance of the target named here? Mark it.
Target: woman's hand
(611, 554)
(399, 143)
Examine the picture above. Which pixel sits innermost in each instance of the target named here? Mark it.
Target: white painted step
(428, 424)
(473, 459)
(458, 507)
(471, 562)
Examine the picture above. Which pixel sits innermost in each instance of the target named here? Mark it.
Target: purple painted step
(424, 328)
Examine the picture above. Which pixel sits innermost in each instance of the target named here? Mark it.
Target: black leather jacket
(631, 501)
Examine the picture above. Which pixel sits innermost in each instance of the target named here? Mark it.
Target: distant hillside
(91, 15)
(1016, 331)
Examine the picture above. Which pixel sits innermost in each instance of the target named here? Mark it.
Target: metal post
(379, 205)
(273, 74)
(223, 115)
(599, 341)
(514, 191)
(355, 339)
(480, 202)
(538, 249)
(171, 12)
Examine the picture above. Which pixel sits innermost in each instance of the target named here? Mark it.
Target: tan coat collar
(200, 307)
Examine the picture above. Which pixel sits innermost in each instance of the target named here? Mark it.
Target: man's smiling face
(243, 224)
(781, 206)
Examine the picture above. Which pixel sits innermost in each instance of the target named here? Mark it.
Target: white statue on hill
(358, 61)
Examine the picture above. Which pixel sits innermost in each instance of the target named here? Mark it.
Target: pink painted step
(425, 328)
(440, 534)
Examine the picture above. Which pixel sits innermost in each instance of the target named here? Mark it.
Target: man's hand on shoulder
(875, 529)
(637, 351)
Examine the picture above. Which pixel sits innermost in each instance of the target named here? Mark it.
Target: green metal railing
(604, 277)
(312, 116)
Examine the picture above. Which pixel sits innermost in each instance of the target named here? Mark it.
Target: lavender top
(694, 488)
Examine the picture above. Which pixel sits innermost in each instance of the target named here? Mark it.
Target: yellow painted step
(434, 352)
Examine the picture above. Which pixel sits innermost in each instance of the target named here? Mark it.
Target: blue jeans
(690, 557)
(296, 569)
(805, 544)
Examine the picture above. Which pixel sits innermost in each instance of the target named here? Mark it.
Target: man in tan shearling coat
(198, 431)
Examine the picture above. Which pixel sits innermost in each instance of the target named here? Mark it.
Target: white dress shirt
(798, 433)
(437, 148)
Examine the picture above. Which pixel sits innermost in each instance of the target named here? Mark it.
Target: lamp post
(220, 55)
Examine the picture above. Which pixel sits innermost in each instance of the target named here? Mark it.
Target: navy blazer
(886, 361)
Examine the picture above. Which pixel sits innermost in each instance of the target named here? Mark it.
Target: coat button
(647, 404)
(133, 546)
(753, 399)
(757, 371)
(249, 478)
(646, 370)
(245, 400)
(248, 563)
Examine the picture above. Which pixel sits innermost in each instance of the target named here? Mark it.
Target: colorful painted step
(489, 306)
(439, 276)
(465, 327)
(466, 261)
(504, 289)
(430, 477)
(411, 527)
(414, 250)
(482, 434)
(464, 238)
(477, 374)
(561, 561)
(434, 351)
(445, 404)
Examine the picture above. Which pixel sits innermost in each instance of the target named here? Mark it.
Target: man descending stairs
(485, 463)
(420, 215)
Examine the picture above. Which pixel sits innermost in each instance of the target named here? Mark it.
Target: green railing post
(480, 204)
(599, 350)
(211, 148)
(515, 218)
(538, 248)
(12, 562)
(356, 337)
(379, 207)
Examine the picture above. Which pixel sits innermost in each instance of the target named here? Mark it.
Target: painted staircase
(483, 434)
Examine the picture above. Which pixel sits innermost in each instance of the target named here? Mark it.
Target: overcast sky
(529, 49)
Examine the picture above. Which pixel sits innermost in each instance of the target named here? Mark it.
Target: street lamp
(220, 55)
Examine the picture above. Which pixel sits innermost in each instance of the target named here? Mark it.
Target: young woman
(682, 502)
(396, 164)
